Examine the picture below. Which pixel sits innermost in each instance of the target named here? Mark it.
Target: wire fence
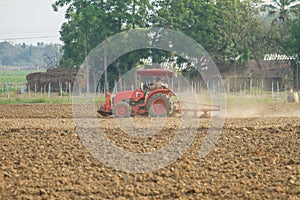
(12, 90)
(247, 87)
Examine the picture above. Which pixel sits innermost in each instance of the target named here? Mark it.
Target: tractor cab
(150, 77)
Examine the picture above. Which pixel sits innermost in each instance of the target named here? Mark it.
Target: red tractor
(157, 102)
(149, 100)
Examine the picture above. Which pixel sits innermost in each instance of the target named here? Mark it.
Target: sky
(30, 21)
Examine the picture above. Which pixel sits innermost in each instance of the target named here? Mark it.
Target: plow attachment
(195, 108)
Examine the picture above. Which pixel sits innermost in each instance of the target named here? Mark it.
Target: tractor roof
(156, 72)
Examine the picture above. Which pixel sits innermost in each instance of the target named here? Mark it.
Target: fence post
(178, 86)
(34, 89)
(70, 91)
(6, 90)
(207, 85)
(124, 85)
(241, 88)
(284, 88)
(257, 85)
(278, 89)
(21, 90)
(251, 87)
(172, 84)
(272, 89)
(59, 89)
(262, 86)
(66, 86)
(49, 90)
(200, 86)
(99, 88)
(228, 87)
(192, 92)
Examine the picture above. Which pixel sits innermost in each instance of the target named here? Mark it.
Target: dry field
(256, 157)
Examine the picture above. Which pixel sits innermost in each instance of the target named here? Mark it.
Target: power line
(29, 37)
(22, 32)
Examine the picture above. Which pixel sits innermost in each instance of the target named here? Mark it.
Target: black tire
(122, 110)
(159, 105)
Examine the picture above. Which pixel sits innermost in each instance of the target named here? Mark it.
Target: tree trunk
(257, 60)
(105, 65)
(133, 14)
(296, 75)
(120, 77)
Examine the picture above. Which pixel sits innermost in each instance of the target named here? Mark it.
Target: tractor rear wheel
(122, 110)
(159, 105)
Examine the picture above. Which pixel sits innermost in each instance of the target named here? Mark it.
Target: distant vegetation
(29, 55)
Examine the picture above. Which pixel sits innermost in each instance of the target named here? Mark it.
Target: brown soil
(256, 157)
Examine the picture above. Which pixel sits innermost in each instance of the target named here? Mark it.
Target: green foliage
(281, 11)
(294, 41)
(222, 28)
(91, 22)
(232, 31)
(292, 46)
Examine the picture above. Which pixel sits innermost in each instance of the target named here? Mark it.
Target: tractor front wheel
(159, 105)
(122, 110)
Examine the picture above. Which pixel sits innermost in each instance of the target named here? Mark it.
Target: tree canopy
(281, 10)
(232, 31)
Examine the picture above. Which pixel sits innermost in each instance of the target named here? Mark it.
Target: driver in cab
(157, 85)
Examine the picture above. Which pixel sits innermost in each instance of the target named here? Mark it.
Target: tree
(88, 25)
(294, 41)
(292, 44)
(281, 10)
(195, 18)
(90, 22)
(231, 31)
(224, 28)
(283, 14)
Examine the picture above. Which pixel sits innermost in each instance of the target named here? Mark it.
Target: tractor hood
(128, 95)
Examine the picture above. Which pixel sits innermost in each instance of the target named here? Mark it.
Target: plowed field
(256, 157)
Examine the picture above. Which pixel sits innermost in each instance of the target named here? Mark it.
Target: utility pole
(105, 65)
(297, 64)
(86, 64)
